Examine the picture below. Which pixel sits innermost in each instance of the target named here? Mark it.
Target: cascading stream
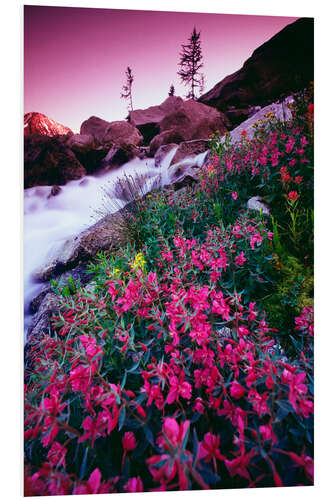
(50, 220)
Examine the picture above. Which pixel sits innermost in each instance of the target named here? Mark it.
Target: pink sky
(75, 58)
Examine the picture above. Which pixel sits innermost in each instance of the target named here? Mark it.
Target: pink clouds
(75, 58)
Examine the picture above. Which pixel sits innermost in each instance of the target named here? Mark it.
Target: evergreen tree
(127, 88)
(191, 63)
(171, 90)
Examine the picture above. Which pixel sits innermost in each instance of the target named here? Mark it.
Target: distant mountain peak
(37, 123)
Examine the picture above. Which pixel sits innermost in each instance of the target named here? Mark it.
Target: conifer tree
(171, 90)
(191, 63)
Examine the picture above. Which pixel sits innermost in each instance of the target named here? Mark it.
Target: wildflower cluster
(168, 374)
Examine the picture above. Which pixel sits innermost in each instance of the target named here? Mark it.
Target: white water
(50, 220)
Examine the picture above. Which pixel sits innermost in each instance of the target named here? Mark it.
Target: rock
(48, 307)
(49, 161)
(183, 174)
(194, 120)
(162, 152)
(279, 109)
(190, 149)
(167, 137)
(37, 123)
(237, 116)
(55, 190)
(189, 119)
(107, 234)
(111, 133)
(256, 204)
(80, 276)
(118, 155)
(148, 120)
(122, 132)
(282, 65)
(88, 151)
(38, 299)
(82, 143)
(94, 126)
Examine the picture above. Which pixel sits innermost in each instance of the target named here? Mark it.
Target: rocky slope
(37, 123)
(280, 66)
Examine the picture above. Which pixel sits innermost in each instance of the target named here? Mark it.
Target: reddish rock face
(37, 123)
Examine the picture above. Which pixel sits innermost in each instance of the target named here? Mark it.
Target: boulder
(183, 174)
(279, 109)
(49, 161)
(193, 120)
(48, 307)
(37, 123)
(162, 152)
(95, 127)
(282, 65)
(111, 133)
(88, 151)
(255, 203)
(82, 143)
(107, 234)
(190, 149)
(122, 132)
(167, 137)
(148, 120)
(55, 190)
(120, 154)
(189, 119)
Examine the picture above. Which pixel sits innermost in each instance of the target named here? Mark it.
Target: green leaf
(122, 417)
(195, 447)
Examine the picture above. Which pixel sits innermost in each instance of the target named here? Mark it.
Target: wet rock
(119, 155)
(255, 203)
(167, 137)
(48, 307)
(55, 190)
(162, 152)
(190, 149)
(107, 234)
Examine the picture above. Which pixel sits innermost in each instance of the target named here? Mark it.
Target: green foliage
(65, 287)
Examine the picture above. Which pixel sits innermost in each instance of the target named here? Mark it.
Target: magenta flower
(56, 455)
(240, 259)
(134, 485)
(129, 443)
(234, 195)
(209, 448)
(236, 390)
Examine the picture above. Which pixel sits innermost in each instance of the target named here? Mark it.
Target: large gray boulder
(189, 119)
(111, 133)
